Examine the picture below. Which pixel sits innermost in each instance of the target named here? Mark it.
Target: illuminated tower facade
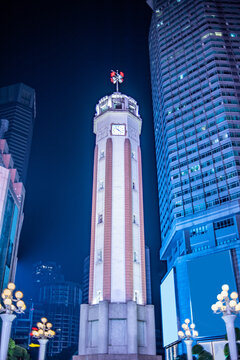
(117, 319)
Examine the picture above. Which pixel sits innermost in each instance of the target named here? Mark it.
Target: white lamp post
(43, 333)
(8, 308)
(188, 335)
(228, 308)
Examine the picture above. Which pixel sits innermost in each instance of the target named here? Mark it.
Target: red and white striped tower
(117, 319)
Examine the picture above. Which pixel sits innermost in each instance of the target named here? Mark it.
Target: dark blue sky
(65, 52)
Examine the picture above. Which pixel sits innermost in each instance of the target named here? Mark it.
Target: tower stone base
(117, 331)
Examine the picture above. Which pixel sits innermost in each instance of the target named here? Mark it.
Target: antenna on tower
(117, 78)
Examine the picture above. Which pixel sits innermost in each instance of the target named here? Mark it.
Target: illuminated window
(233, 35)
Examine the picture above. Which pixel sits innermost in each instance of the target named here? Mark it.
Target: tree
(16, 352)
(202, 354)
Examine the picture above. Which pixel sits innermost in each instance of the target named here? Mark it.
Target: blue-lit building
(18, 106)
(195, 73)
(61, 302)
(12, 196)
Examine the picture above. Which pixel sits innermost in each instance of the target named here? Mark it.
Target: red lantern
(121, 73)
(113, 73)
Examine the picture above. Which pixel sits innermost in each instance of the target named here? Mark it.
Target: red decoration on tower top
(117, 78)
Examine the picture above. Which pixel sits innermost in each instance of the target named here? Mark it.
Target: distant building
(18, 106)
(45, 272)
(148, 275)
(61, 302)
(85, 280)
(12, 194)
(23, 324)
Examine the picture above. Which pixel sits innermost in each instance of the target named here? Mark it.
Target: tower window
(101, 186)
(99, 295)
(135, 296)
(133, 186)
(134, 219)
(100, 218)
(135, 257)
(99, 256)
(102, 154)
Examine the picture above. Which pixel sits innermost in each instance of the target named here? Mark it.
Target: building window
(135, 296)
(133, 186)
(223, 224)
(200, 230)
(99, 295)
(101, 154)
(101, 186)
(134, 219)
(100, 218)
(135, 257)
(133, 155)
(99, 256)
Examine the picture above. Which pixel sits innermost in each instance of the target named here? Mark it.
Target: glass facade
(61, 301)
(12, 195)
(17, 105)
(195, 60)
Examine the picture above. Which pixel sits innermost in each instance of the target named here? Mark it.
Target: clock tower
(117, 320)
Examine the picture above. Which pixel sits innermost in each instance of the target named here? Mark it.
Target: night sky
(65, 51)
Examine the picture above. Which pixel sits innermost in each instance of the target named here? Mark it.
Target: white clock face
(118, 129)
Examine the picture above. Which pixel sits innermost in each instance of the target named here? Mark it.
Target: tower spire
(117, 78)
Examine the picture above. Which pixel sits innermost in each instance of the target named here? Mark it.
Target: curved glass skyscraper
(195, 60)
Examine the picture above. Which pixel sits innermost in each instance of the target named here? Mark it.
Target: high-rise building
(195, 61)
(22, 326)
(116, 320)
(85, 280)
(46, 272)
(18, 106)
(148, 275)
(61, 302)
(12, 196)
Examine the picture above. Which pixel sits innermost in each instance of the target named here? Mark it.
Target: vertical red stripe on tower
(93, 225)
(128, 221)
(142, 240)
(107, 223)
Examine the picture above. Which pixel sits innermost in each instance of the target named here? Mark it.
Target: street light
(188, 335)
(8, 308)
(228, 307)
(43, 333)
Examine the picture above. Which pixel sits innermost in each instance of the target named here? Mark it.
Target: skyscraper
(85, 280)
(12, 194)
(195, 58)
(61, 302)
(18, 106)
(117, 321)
